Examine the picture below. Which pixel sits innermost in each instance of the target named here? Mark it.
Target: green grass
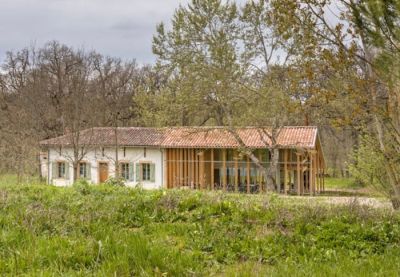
(116, 231)
(341, 183)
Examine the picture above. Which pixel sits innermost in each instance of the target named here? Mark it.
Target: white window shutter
(152, 173)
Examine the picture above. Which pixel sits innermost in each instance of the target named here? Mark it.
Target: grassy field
(110, 231)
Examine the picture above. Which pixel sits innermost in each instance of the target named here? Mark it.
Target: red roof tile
(191, 137)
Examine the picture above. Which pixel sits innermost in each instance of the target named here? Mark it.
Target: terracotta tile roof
(191, 137)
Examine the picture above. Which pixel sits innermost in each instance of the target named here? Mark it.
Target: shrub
(82, 186)
(115, 182)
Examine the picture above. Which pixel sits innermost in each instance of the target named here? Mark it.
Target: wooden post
(196, 169)
(224, 177)
(184, 163)
(201, 170)
(259, 174)
(248, 175)
(298, 174)
(168, 167)
(286, 171)
(173, 161)
(212, 169)
(236, 172)
(311, 174)
(192, 172)
(315, 172)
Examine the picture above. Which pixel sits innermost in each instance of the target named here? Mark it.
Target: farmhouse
(188, 157)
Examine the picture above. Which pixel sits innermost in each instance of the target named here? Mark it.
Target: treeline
(263, 63)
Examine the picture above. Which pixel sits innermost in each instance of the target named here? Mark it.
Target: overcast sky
(120, 28)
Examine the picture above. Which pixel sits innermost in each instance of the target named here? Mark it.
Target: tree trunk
(395, 203)
(75, 171)
(272, 170)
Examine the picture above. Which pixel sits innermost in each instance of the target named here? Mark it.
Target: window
(124, 170)
(83, 173)
(61, 170)
(146, 172)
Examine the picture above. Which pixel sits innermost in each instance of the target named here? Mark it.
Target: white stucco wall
(95, 156)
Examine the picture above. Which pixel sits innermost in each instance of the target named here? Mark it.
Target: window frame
(84, 164)
(61, 169)
(146, 172)
(124, 171)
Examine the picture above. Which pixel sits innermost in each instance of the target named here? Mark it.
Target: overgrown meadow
(99, 230)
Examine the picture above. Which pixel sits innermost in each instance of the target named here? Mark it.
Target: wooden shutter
(138, 173)
(66, 176)
(152, 173)
(54, 170)
(131, 172)
(88, 171)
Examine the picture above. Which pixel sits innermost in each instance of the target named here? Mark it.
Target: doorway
(103, 172)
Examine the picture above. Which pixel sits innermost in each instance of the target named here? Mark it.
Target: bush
(115, 182)
(82, 186)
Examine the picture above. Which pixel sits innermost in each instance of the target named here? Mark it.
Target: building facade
(194, 158)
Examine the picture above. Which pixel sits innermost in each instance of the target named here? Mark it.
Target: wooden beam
(259, 174)
(196, 170)
(315, 169)
(248, 174)
(201, 165)
(224, 177)
(285, 186)
(299, 190)
(236, 171)
(192, 168)
(311, 174)
(212, 169)
(169, 169)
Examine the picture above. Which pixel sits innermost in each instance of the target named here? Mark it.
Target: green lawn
(111, 231)
(341, 183)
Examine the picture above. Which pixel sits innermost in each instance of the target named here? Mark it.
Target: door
(103, 172)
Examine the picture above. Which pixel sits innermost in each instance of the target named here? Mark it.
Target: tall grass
(116, 231)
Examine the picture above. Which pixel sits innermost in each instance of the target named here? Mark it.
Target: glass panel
(82, 170)
(61, 170)
(125, 171)
(146, 172)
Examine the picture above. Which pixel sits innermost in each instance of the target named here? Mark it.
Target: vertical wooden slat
(212, 169)
(310, 174)
(298, 174)
(318, 174)
(201, 165)
(171, 169)
(196, 170)
(315, 172)
(259, 174)
(192, 168)
(168, 153)
(185, 173)
(285, 185)
(302, 179)
(224, 177)
(236, 172)
(248, 174)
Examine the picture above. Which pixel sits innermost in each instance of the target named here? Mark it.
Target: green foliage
(368, 166)
(115, 182)
(119, 231)
(82, 186)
